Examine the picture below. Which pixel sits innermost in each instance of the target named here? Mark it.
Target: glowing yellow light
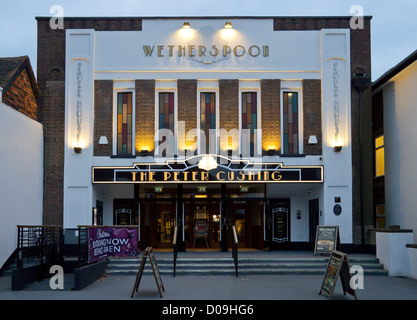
(186, 25)
(228, 25)
(79, 144)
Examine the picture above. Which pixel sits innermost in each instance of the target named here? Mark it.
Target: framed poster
(338, 266)
(280, 224)
(201, 228)
(327, 239)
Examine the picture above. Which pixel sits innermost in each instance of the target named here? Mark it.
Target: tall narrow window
(379, 156)
(290, 123)
(207, 119)
(124, 123)
(249, 122)
(167, 121)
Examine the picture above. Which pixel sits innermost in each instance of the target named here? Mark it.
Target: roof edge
(394, 70)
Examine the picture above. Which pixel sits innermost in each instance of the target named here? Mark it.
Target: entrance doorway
(202, 223)
(247, 216)
(157, 222)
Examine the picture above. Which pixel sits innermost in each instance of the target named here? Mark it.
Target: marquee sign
(227, 170)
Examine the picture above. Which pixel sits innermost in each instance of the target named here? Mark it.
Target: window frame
(258, 151)
(299, 91)
(375, 151)
(199, 92)
(115, 122)
(156, 141)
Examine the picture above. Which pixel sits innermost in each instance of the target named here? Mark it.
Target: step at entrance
(247, 266)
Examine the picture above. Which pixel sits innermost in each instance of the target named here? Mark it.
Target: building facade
(208, 123)
(394, 113)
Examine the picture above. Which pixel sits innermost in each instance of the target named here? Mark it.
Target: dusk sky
(393, 26)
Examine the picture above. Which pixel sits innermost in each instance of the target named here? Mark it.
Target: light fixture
(312, 140)
(271, 152)
(77, 149)
(207, 163)
(144, 152)
(228, 25)
(337, 148)
(103, 141)
(186, 25)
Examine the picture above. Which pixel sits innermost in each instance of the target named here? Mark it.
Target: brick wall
(312, 116)
(271, 114)
(145, 115)
(187, 109)
(21, 97)
(229, 110)
(103, 116)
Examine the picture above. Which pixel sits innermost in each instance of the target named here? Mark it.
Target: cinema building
(208, 123)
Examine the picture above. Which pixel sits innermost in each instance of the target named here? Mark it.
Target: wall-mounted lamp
(228, 25)
(272, 152)
(337, 148)
(186, 25)
(144, 152)
(312, 140)
(103, 141)
(78, 149)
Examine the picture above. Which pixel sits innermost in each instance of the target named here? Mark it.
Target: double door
(208, 223)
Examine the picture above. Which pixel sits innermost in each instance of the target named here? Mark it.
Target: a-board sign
(156, 272)
(338, 266)
(148, 253)
(327, 239)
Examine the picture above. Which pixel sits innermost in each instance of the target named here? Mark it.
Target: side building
(394, 112)
(21, 152)
(262, 123)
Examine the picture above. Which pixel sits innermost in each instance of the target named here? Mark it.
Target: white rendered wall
(21, 175)
(79, 120)
(400, 118)
(336, 92)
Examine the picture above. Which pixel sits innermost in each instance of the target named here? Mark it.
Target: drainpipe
(361, 82)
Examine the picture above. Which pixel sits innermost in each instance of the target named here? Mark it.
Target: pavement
(210, 296)
(214, 287)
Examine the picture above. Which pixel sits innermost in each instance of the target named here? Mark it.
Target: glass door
(247, 216)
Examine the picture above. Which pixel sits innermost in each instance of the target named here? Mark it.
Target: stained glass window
(207, 118)
(166, 111)
(249, 120)
(166, 121)
(124, 123)
(290, 123)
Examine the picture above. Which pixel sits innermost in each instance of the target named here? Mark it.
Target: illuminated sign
(228, 170)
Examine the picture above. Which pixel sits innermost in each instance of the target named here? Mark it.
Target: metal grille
(82, 245)
(35, 242)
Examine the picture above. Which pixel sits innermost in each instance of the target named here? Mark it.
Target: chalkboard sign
(148, 253)
(338, 266)
(327, 239)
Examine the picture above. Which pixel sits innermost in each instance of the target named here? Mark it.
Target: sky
(393, 26)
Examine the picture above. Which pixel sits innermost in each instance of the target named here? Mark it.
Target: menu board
(338, 265)
(280, 224)
(327, 239)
